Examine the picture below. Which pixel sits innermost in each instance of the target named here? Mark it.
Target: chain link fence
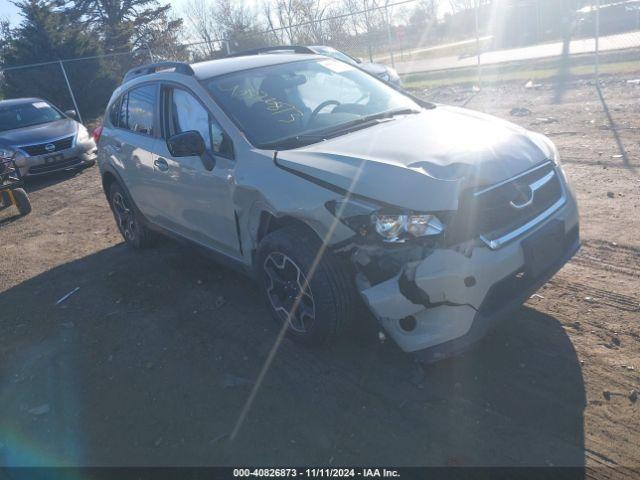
(494, 40)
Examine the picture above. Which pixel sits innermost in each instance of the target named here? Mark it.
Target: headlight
(83, 134)
(424, 225)
(392, 227)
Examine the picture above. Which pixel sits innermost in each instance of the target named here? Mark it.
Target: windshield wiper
(314, 137)
(367, 121)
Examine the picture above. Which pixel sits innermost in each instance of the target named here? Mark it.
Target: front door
(196, 202)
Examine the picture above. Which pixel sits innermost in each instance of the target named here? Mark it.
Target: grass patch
(468, 49)
(580, 66)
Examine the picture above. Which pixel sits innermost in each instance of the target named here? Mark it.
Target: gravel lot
(151, 361)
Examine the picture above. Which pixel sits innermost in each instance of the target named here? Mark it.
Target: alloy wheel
(124, 216)
(285, 284)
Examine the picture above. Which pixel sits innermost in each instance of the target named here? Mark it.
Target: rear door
(196, 203)
(133, 143)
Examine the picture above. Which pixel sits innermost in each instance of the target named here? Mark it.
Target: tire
(127, 218)
(22, 201)
(328, 304)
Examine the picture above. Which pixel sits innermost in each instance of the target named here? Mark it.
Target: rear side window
(137, 110)
(114, 112)
(122, 115)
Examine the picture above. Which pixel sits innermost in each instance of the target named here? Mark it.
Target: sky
(10, 11)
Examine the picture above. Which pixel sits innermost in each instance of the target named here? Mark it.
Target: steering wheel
(321, 107)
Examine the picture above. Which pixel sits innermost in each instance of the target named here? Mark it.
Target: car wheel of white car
(130, 226)
(312, 295)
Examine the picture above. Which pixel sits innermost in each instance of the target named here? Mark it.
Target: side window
(122, 115)
(140, 109)
(186, 113)
(114, 112)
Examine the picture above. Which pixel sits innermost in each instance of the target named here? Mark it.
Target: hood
(374, 68)
(39, 133)
(422, 161)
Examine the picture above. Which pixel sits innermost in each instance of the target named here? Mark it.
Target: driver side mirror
(71, 113)
(189, 144)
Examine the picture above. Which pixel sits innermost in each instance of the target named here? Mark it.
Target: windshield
(27, 114)
(273, 104)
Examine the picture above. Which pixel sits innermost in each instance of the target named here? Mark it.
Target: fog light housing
(408, 324)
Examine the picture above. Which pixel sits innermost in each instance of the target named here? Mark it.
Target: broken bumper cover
(443, 304)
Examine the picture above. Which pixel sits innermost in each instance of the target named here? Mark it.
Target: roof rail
(281, 48)
(179, 67)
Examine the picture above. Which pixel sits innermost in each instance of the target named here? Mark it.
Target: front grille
(41, 148)
(492, 212)
(54, 166)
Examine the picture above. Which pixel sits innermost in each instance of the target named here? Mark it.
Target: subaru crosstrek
(332, 188)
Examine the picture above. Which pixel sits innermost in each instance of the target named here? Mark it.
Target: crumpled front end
(438, 298)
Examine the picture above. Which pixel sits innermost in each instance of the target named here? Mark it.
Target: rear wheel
(127, 219)
(306, 287)
(22, 201)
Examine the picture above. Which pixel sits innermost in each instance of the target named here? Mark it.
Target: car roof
(214, 68)
(18, 101)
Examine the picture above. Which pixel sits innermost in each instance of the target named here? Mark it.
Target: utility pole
(478, 42)
(73, 98)
(597, 34)
(150, 53)
(386, 10)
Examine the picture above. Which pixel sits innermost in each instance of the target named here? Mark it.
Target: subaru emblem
(50, 147)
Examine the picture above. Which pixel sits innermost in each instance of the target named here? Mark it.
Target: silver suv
(331, 188)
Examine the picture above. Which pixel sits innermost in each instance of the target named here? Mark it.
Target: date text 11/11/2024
(316, 472)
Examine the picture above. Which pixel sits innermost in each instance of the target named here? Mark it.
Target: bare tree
(367, 18)
(460, 5)
(283, 18)
(223, 24)
(201, 20)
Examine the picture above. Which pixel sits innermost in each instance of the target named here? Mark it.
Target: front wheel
(307, 288)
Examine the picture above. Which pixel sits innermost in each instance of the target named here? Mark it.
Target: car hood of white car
(374, 68)
(420, 161)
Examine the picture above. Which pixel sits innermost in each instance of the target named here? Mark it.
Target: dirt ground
(151, 361)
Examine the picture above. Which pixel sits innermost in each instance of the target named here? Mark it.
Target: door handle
(161, 164)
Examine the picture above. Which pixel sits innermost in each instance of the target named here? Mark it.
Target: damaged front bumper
(437, 307)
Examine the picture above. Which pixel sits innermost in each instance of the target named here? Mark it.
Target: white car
(383, 72)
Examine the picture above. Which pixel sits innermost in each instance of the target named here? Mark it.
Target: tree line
(131, 32)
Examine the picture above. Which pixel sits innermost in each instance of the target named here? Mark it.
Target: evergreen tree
(45, 35)
(125, 25)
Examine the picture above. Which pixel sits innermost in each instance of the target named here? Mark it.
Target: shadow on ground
(151, 361)
(33, 184)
